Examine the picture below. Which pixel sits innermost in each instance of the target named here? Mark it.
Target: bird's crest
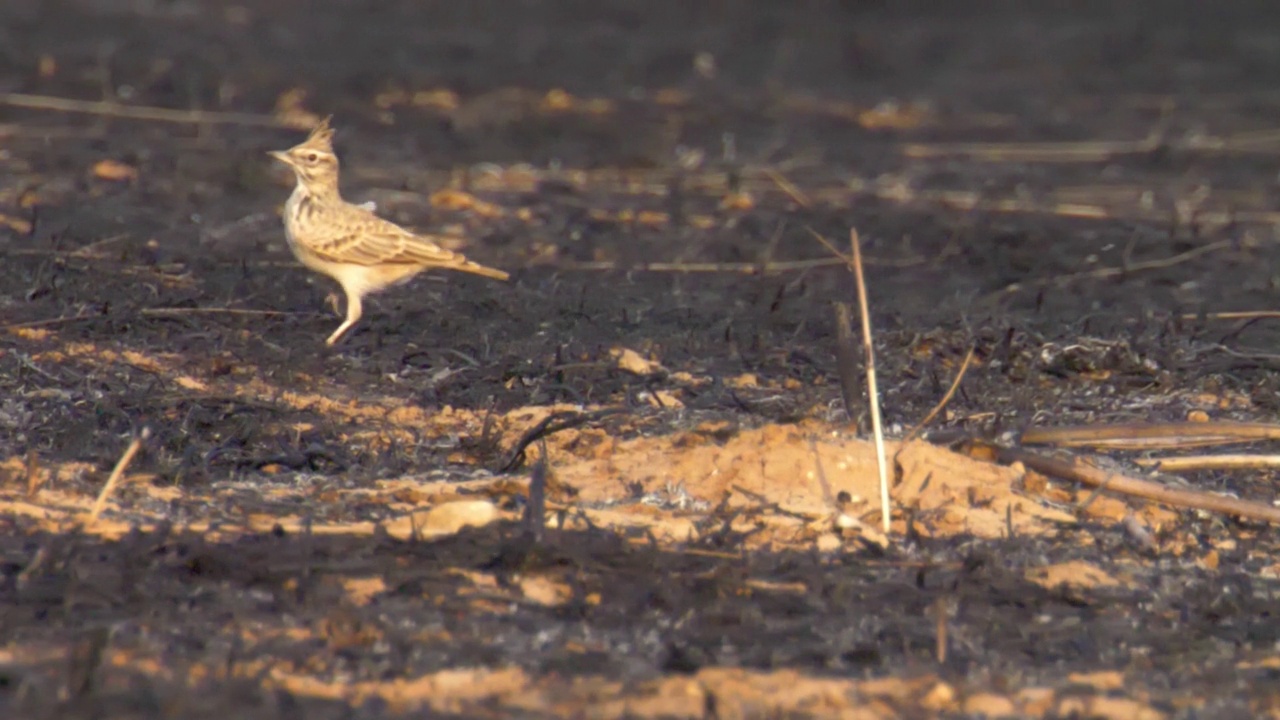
(321, 138)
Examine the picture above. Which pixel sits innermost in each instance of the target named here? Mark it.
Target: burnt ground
(1072, 193)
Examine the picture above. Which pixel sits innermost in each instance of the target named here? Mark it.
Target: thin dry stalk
(1238, 315)
(1265, 141)
(951, 391)
(1111, 272)
(830, 247)
(788, 187)
(1086, 151)
(118, 472)
(138, 112)
(44, 132)
(171, 312)
(873, 392)
(743, 268)
(971, 201)
(49, 322)
(88, 251)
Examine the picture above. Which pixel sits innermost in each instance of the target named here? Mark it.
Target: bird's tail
(477, 269)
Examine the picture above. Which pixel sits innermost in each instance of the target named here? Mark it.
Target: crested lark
(347, 242)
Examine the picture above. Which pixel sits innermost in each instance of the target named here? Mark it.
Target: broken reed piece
(940, 629)
(1078, 470)
(846, 360)
(1188, 463)
(1150, 436)
(535, 518)
(118, 472)
(33, 473)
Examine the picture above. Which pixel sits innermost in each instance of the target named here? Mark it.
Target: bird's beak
(282, 156)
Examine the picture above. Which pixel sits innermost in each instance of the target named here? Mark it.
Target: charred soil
(1074, 195)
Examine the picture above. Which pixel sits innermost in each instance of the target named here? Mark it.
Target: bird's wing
(362, 238)
(367, 239)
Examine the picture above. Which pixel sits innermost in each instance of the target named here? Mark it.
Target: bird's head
(313, 160)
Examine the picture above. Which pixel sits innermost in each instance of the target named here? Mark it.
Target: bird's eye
(312, 157)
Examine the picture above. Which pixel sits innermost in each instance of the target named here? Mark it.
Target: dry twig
(553, 423)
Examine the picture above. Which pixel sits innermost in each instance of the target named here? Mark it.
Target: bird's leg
(354, 310)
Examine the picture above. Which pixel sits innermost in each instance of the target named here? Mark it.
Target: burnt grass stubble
(1090, 349)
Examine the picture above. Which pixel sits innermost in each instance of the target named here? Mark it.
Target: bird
(364, 253)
